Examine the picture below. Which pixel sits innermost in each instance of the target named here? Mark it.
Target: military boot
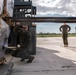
(30, 59)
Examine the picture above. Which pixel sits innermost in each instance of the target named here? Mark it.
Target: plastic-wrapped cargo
(1, 6)
(4, 34)
(10, 6)
(4, 28)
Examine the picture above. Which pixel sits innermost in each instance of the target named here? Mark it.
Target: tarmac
(51, 58)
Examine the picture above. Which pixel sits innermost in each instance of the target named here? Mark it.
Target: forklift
(24, 12)
(23, 9)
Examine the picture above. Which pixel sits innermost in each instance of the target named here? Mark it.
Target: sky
(51, 8)
(55, 8)
(63, 7)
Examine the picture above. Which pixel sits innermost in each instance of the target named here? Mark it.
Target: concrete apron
(49, 60)
(6, 69)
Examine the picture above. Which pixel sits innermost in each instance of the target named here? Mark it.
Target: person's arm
(60, 28)
(18, 29)
(69, 28)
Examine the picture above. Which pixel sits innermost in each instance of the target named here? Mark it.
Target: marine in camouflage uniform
(65, 29)
(25, 44)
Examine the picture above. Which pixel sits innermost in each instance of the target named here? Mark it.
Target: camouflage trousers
(65, 40)
(22, 52)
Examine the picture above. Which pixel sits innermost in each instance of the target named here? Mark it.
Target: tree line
(54, 34)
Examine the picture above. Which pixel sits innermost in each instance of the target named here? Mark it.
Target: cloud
(44, 7)
(62, 7)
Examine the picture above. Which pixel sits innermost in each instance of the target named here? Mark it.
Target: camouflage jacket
(25, 36)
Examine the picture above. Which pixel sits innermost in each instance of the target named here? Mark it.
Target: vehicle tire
(33, 39)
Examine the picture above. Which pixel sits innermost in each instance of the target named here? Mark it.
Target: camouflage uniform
(65, 29)
(25, 44)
